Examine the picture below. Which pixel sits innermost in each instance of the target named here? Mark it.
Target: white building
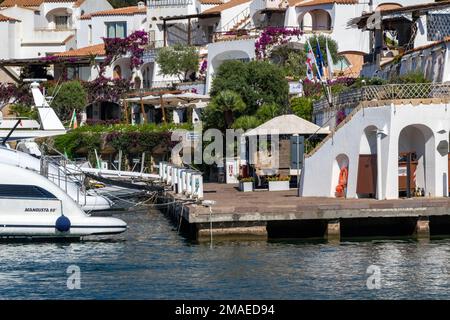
(373, 144)
(44, 26)
(408, 39)
(391, 138)
(327, 17)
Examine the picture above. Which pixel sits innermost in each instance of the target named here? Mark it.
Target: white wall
(219, 52)
(319, 179)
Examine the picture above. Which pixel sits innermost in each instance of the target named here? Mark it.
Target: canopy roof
(288, 124)
(180, 100)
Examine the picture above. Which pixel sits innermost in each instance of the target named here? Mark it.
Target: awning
(287, 125)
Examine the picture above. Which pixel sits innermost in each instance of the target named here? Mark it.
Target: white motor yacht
(34, 207)
(49, 125)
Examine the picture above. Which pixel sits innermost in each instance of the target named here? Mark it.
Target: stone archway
(416, 149)
(316, 20)
(340, 162)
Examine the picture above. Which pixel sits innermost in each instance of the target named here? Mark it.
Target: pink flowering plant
(272, 37)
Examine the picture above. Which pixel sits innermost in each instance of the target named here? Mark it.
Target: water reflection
(151, 261)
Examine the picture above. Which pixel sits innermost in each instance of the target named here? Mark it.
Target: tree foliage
(246, 122)
(68, 96)
(302, 107)
(291, 60)
(178, 60)
(257, 82)
(223, 109)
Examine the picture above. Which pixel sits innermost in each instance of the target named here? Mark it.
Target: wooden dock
(263, 214)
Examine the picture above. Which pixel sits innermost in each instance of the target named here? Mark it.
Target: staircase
(240, 21)
(241, 24)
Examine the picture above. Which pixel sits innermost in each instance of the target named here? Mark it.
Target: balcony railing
(351, 98)
(168, 3)
(240, 34)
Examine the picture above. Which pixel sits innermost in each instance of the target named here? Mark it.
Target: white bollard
(163, 170)
(189, 183)
(198, 186)
(174, 178)
(179, 181)
(159, 170)
(183, 181)
(169, 174)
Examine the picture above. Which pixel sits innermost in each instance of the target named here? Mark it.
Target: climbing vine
(272, 37)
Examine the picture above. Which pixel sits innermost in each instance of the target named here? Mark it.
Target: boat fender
(63, 224)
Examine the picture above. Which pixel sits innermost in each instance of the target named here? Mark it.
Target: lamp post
(297, 150)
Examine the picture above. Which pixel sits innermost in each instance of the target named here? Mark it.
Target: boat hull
(46, 227)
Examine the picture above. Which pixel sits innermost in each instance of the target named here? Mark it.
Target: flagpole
(325, 89)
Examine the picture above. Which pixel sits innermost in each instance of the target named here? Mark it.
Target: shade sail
(288, 124)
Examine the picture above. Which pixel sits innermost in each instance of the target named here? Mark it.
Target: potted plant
(279, 183)
(246, 184)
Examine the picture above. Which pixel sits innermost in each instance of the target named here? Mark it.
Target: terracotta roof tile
(97, 50)
(31, 3)
(5, 18)
(216, 2)
(307, 3)
(226, 5)
(126, 11)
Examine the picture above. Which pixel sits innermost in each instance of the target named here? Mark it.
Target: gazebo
(263, 158)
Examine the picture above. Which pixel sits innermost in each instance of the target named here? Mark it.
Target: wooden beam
(162, 108)
(189, 31)
(142, 110)
(165, 33)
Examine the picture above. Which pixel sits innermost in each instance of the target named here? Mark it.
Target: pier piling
(422, 231)
(333, 233)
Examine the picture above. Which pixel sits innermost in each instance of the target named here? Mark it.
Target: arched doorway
(306, 23)
(366, 186)
(59, 19)
(340, 175)
(316, 20)
(117, 72)
(147, 74)
(388, 6)
(137, 83)
(416, 166)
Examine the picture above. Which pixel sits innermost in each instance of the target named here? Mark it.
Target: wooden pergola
(188, 18)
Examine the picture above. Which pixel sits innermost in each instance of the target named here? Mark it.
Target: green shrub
(411, 77)
(302, 107)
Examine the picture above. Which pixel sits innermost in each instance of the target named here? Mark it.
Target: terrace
(351, 98)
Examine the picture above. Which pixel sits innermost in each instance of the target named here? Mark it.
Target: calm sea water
(151, 261)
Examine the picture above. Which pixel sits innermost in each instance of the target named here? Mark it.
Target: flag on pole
(319, 59)
(73, 121)
(311, 59)
(309, 72)
(309, 62)
(329, 61)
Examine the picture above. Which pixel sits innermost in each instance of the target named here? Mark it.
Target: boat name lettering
(40, 210)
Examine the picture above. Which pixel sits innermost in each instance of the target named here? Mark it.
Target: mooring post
(422, 231)
(333, 232)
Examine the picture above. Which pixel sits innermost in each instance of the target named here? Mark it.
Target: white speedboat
(34, 207)
(49, 125)
(56, 174)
